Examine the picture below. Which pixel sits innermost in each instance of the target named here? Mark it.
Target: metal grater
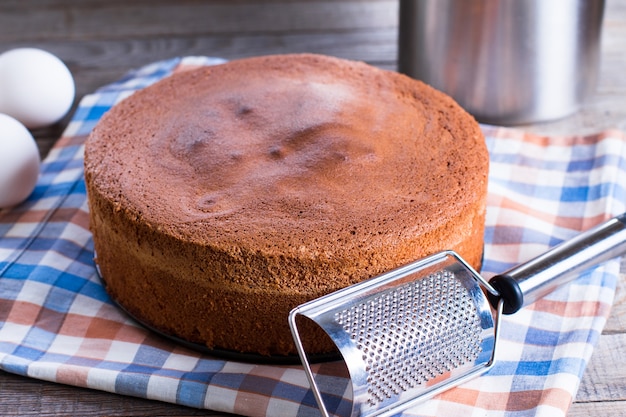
(395, 340)
(414, 332)
(407, 332)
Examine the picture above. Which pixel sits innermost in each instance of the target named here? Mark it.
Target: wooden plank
(75, 20)
(600, 409)
(604, 379)
(612, 56)
(616, 323)
(371, 45)
(603, 111)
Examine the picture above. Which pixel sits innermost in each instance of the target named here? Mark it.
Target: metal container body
(504, 61)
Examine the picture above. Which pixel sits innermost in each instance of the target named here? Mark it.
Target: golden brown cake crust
(222, 197)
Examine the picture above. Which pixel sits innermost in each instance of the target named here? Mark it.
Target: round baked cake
(224, 196)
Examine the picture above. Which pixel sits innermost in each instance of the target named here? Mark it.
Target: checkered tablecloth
(58, 324)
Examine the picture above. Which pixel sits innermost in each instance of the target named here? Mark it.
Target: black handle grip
(510, 292)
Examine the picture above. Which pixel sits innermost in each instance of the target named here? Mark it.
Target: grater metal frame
(330, 312)
(506, 292)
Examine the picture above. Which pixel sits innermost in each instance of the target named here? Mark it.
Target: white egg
(36, 87)
(19, 162)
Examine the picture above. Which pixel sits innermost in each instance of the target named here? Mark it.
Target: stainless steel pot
(505, 61)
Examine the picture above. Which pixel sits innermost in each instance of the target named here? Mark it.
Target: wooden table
(101, 40)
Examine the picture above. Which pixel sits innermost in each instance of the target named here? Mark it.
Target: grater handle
(526, 283)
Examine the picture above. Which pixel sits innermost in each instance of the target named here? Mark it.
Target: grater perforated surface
(414, 334)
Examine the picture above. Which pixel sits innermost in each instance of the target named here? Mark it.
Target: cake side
(204, 302)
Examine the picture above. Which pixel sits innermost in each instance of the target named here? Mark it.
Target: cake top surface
(289, 152)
